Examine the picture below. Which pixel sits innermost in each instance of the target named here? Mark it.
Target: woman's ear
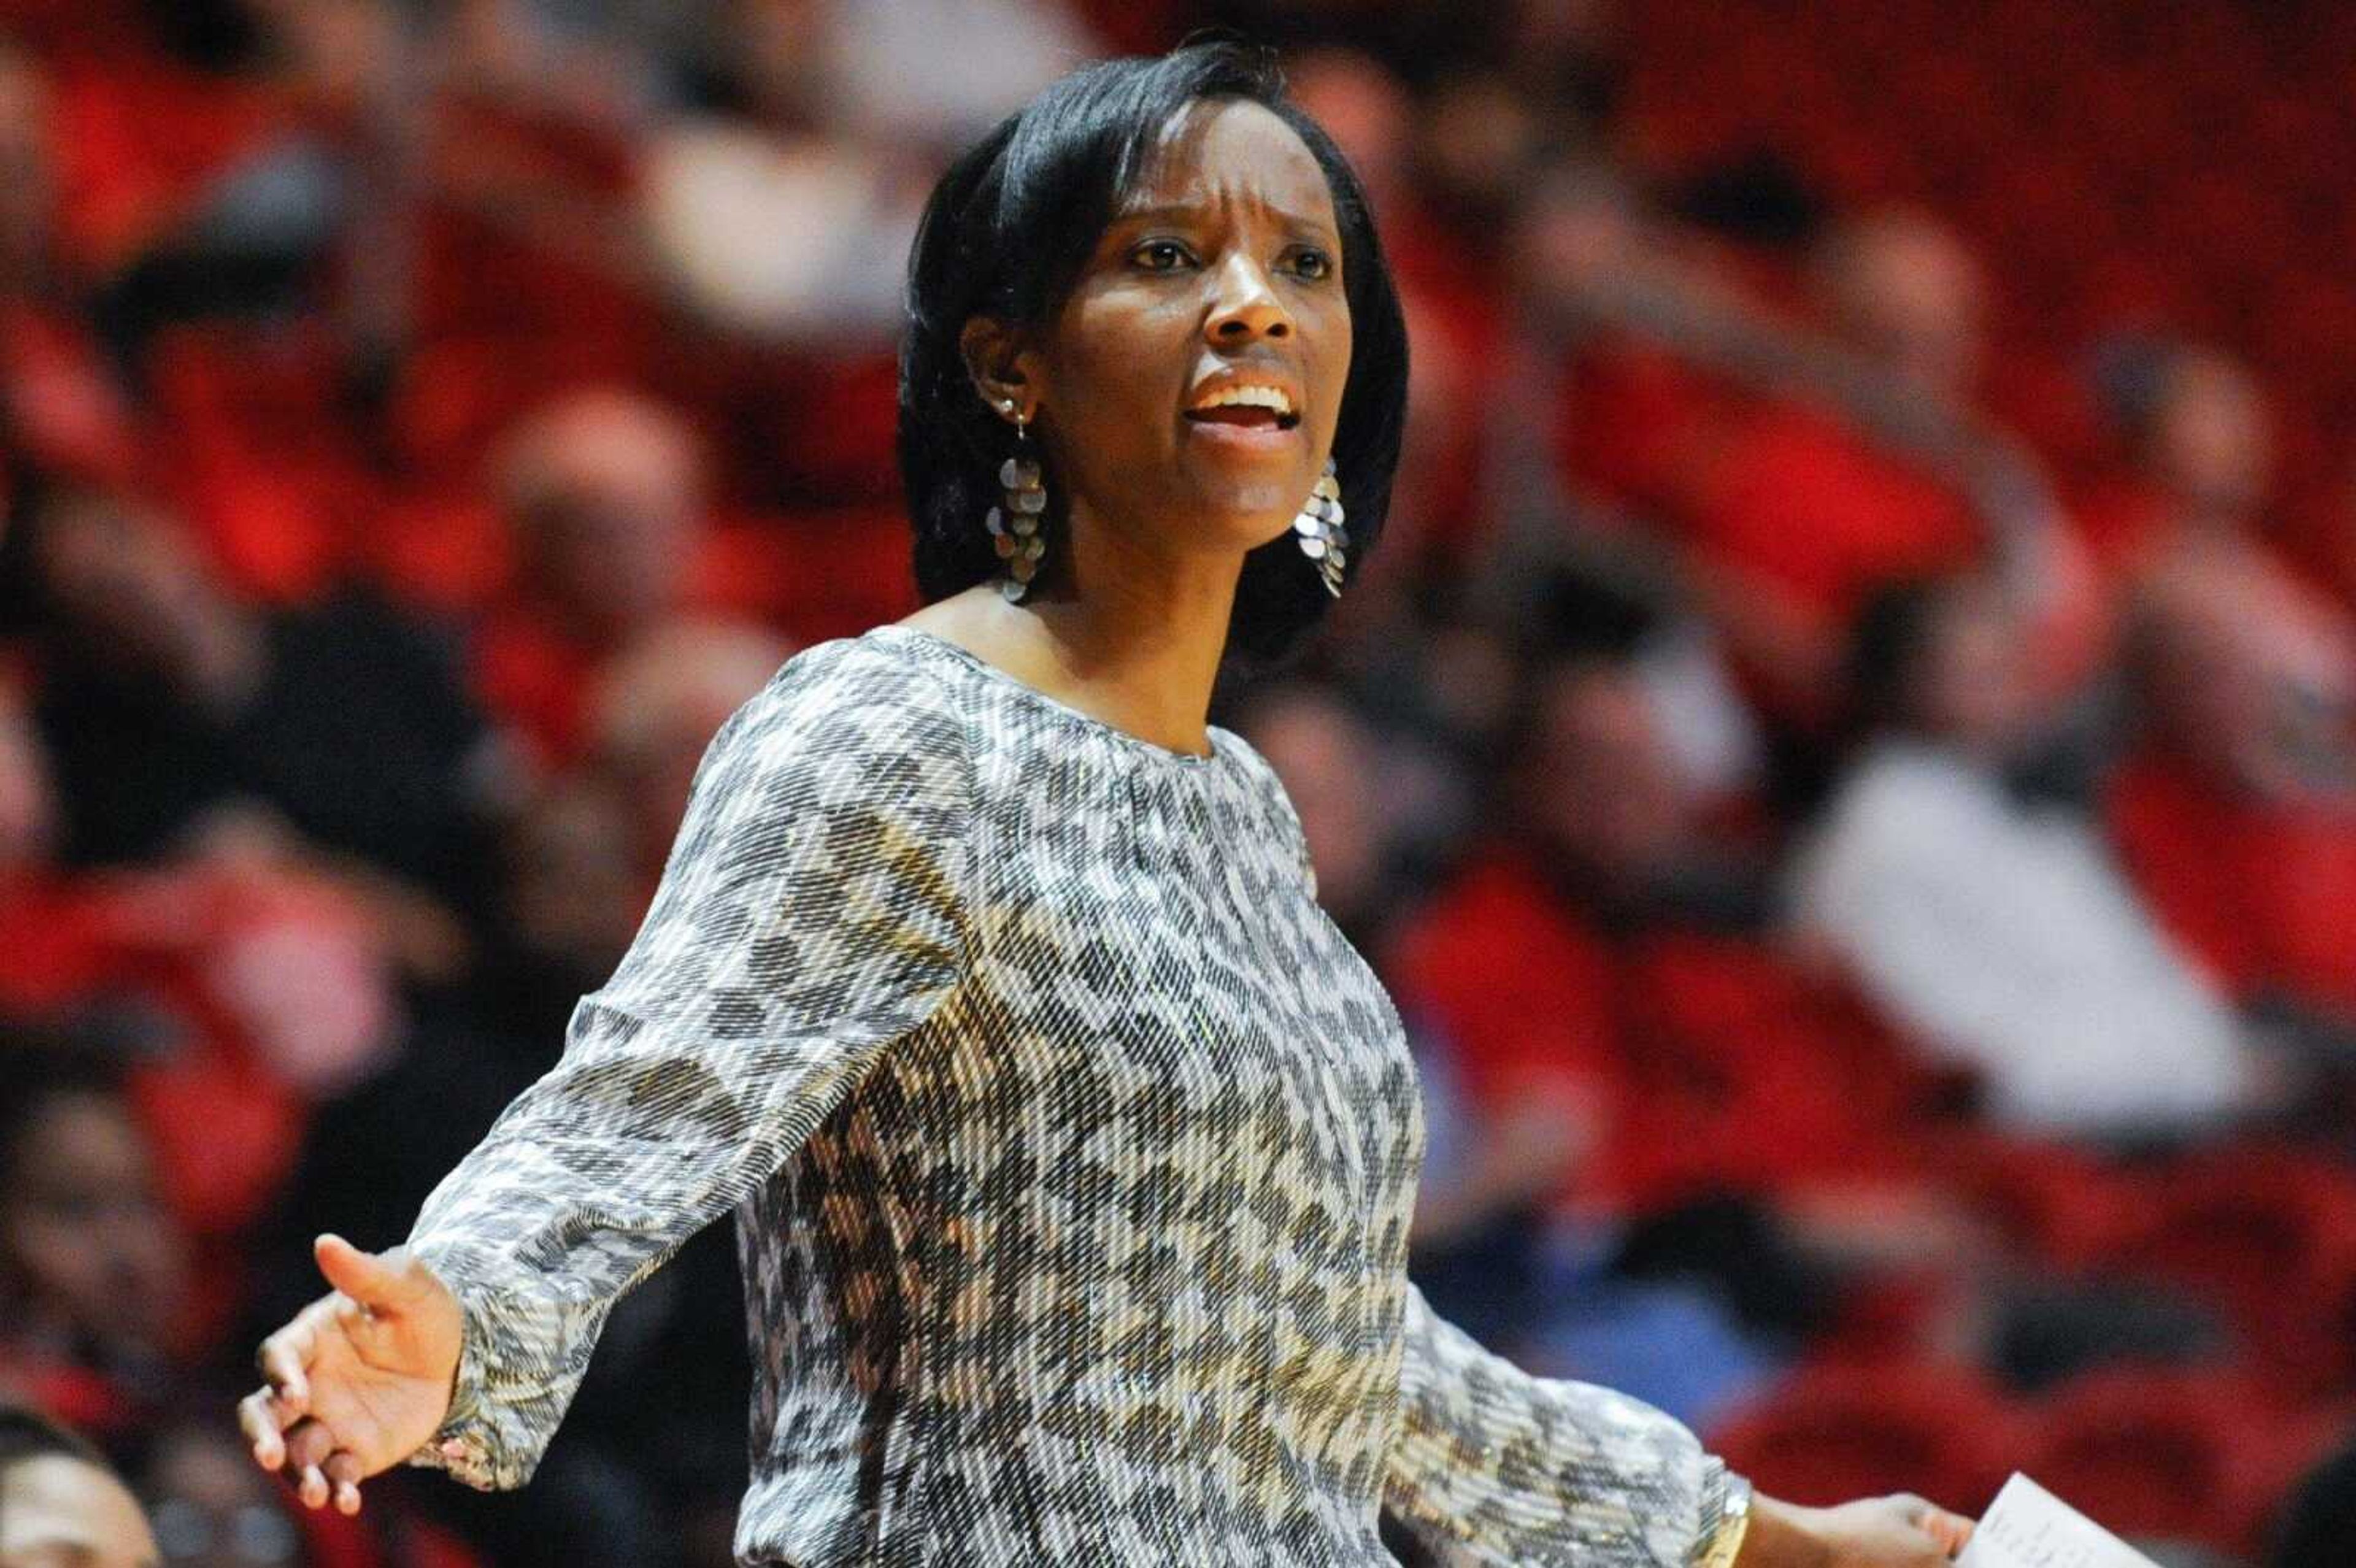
(998, 360)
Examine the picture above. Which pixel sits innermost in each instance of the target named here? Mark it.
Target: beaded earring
(1014, 526)
(1319, 527)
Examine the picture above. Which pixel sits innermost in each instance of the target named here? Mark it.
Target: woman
(1072, 1148)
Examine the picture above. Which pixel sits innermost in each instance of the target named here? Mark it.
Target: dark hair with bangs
(1007, 233)
(26, 1435)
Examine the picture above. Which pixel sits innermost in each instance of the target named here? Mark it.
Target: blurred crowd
(1845, 759)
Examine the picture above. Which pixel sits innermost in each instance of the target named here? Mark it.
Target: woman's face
(1219, 279)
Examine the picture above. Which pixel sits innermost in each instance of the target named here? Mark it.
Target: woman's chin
(1246, 517)
(1253, 490)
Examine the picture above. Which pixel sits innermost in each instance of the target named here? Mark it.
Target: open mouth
(1246, 415)
(1247, 405)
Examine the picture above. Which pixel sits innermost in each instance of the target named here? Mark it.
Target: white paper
(2029, 1527)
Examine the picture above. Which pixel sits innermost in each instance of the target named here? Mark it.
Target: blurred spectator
(92, 1272)
(2270, 708)
(2246, 675)
(656, 709)
(790, 218)
(1622, 1045)
(238, 989)
(2199, 440)
(2236, 811)
(1479, 1251)
(925, 74)
(210, 1507)
(1901, 290)
(60, 1501)
(28, 801)
(1996, 932)
(775, 222)
(169, 706)
(61, 410)
(1367, 111)
(603, 497)
(578, 865)
(1598, 959)
(1806, 511)
(1331, 765)
(572, 897)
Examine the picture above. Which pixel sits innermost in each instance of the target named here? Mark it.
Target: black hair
(1586, 614)
(1006, 234)
(2313, 1523)
(1887, 648)
(2133, 376)
(26, 1435)
(38, 1070)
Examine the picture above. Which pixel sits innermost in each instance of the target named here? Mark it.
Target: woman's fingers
(363, 1276)
(308, 1444)
(1952, 1531)
(263, 1430)
(1949, 1531)
(282, 1359)
(342, 1472)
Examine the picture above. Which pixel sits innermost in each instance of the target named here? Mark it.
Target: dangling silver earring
(1014, 527)
(1318, 526)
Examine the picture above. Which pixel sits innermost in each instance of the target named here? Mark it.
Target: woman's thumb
(361, 1275)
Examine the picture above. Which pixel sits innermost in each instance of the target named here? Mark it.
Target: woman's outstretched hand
(1879, 1532)
(358, 1379)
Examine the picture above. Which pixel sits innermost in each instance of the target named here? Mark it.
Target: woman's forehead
(1232, 153)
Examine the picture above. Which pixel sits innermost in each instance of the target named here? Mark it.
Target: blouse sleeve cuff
(465, 1446)
(1727, 1520)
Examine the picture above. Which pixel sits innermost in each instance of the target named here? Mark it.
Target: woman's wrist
(1898, 1532)
(1783, 1535)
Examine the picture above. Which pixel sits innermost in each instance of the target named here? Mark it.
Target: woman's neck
(1131, 639)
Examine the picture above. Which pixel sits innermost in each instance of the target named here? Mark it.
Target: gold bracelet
(1733, 1524)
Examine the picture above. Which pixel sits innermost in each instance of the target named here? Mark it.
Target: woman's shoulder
(867, 688)
(1258, 775)
(853, 717)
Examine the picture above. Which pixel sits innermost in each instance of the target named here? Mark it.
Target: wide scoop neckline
(1195, 761)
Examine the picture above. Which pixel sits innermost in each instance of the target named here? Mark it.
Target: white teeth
(1253, 397)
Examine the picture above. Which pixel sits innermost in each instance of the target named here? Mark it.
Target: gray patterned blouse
(1071, 1148)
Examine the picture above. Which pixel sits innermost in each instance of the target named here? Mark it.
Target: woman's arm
(1880, 1532)
(811, 915)
(1495, 1467)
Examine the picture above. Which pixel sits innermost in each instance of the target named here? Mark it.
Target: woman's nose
(1246, 307)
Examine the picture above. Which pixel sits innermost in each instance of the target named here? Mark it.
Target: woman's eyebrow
(1169, 211)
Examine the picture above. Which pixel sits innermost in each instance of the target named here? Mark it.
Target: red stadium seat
(2202, 1455)
(1839, 1432)
(2050, 1200)
(2265, 1236)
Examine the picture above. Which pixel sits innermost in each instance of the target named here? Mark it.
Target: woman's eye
(1312, 265)
(1160, 255)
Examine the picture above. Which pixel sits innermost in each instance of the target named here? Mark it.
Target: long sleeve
(1494, 1467)
(810, 914)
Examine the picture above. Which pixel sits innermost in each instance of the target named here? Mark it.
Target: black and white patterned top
(1072, 1150)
